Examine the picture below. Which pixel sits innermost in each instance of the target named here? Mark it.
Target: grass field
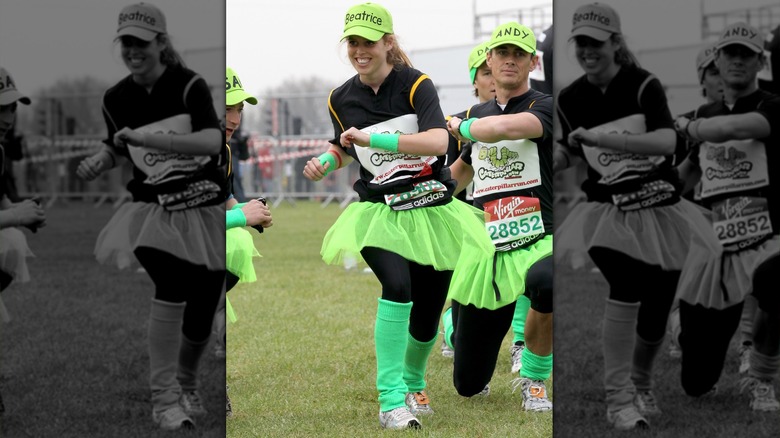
(580, 410)
(301, 357)
(74, 360)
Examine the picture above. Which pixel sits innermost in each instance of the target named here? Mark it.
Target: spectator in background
(772, 46)
(240, 152)
(13, 244)
(542, 78)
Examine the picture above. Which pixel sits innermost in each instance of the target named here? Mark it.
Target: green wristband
(235, 218)
(239, 205)
(387, 142)
(327, 157)
(465, 128)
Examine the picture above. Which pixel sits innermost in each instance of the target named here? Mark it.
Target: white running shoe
(446, 351)
(173, 418)
(744, 358)
(399, 418)
(762, 394)
(534, 394)
(419, 403)
(646, 403)
(192, 403)
(516, 351)
(627, 419)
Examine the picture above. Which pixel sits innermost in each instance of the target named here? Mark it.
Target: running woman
(634, 225)
(13, 244)
(737, 137)
(510, 163)
(161, 117)
(407, 227)
(239, 243)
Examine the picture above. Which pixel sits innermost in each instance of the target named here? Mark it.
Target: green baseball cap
(704, 59)
(595, 20)
(234, 91)
(477, 57)
(141, 20)
(742, 34)
(515, 34)
(368, 20)
(8, 92)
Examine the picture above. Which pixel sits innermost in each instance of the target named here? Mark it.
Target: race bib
(513, 222)
(160, 166)
(505, 166)
(733, 166)
(389, 166)
(650, 194)
(423, 193)
(196, 194)
(741, 221)
(615, 166)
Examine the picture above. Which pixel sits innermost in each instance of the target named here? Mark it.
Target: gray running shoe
(627, 419)
(419, 403)
(646, 403)
(516, 351)
(762, 394)
(446, 351)
(744, 358)
(173, 418)
(534, 394)
(192, 403)
(398, 418)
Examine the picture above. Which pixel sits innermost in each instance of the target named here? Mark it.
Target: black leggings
(706, 333)
(477, 338)
(404, 281)
(178, 281)
(633, 281)
(478, 333)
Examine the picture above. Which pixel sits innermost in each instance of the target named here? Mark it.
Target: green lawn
(580, 410)
(301, 357)
(74, 359)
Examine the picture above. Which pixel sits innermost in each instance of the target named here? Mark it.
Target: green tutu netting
(229, 312)
(473, 284)
(239, 252)
(432, 236)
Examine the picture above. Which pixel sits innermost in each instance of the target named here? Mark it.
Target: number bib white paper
(505, 166)
(615, 166)
(513, 221)
(160, 166)
(741, 220)
(733, 166)
(389, 166)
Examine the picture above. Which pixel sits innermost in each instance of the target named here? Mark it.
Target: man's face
(7, 117)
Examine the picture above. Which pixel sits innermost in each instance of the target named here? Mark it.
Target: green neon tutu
(473, 284)
(239, 252)
(432, 236)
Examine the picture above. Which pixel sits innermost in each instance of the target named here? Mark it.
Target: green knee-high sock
(415, 362)
(164, 341)
(390, 336)
(762, 366)
(619, 335)
(535, 367)
(518, 321)
(449, 328)
(189, 358)
(644, 357)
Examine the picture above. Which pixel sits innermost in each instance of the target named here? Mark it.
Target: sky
(42, 41)
(270, 41)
